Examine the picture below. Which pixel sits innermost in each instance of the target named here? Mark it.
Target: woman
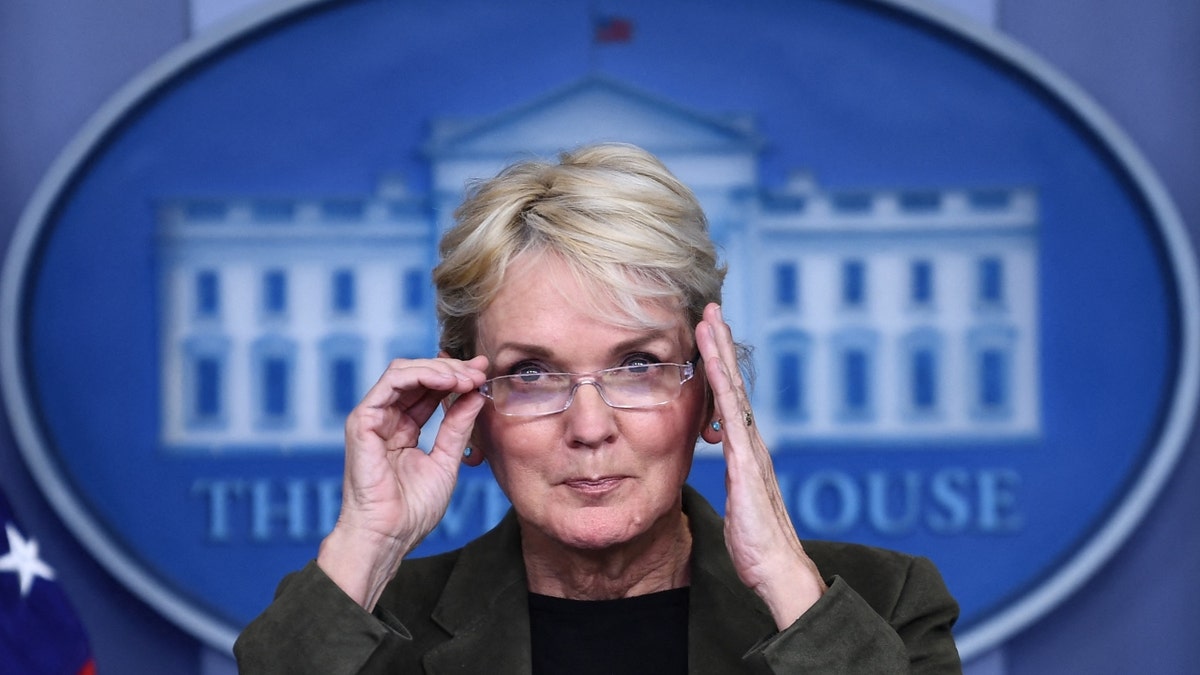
(583, 356)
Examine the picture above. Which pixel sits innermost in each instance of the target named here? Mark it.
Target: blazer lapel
(485, 605)
(485, 609)
(725, 619)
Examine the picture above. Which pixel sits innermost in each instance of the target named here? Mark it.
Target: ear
(475, 456)
(710, 434)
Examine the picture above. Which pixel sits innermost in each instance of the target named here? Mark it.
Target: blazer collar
(485, 607)
(485, 604)
(725, 619)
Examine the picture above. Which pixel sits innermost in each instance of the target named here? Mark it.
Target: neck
(657, 560)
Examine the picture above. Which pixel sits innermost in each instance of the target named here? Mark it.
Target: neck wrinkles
(659, 560)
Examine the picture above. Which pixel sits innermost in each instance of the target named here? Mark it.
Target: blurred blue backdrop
(59, 61)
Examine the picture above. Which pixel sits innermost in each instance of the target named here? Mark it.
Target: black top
(642, 634)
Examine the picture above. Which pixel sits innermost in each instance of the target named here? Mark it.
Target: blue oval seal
(974, 305)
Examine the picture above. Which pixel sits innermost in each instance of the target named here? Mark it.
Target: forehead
(542, 299)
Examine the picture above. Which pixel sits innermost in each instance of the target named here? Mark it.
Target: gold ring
(748, 418)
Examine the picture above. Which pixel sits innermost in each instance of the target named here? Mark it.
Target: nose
(590, 421)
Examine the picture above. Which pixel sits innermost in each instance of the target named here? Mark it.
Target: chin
(598, 528)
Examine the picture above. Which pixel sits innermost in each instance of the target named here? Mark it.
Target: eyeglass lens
(625, 387)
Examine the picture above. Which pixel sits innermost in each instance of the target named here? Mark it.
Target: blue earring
(716, 425)
(466, 452)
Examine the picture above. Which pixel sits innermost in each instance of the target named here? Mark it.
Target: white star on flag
(22, 558)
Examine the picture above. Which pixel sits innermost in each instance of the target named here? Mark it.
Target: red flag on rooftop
(612, 29)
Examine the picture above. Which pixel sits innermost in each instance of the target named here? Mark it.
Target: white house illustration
(882, 316)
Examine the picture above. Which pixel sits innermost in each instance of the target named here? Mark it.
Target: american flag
(612, 29)
(40, 633)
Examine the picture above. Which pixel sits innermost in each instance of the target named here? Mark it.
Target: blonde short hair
(613, 212)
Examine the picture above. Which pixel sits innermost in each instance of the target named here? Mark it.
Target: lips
(594, 486)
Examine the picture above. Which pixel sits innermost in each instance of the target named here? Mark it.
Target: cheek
(696, 411)
(511, 446)
(670, 438)
(668, 434)
(483, 431)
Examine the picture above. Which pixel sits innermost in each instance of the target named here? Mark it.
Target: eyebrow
(639, 341)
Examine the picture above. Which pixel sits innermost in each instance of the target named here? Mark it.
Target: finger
(441, 374)
(726, 345)
(455, 430)
(407, 394)
(721, 368)
(742, 445)
(420, 382)
(400, 421)
(470, 374)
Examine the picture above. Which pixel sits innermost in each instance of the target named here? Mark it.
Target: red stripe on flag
(612, 29)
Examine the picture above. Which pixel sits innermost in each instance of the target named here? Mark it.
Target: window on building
(993, 379)
(343, 209)
(854, 279)
(993, 394)
(991, 281)
(854, 352)
(787, 285)
(274, 359)
(274, 292)
(856, 383)
(276, 387)
(206, 210)
(341, 369)
(206, 381)
(921, 351)
(343, 377)
(921, 283)
(790, 358)
(208, 293)
(344, 291)
(990, 200)
(205, 358)
(414, 289)
(852, 202)
(923, 380)
(791, 390)
(273, 210)
(920, 201)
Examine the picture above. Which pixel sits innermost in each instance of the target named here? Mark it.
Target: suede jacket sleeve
(885, 612)
(314, 627)
(891, 627)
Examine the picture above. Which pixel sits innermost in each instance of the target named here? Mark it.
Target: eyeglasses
(639, 386)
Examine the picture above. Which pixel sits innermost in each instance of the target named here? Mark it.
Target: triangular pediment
(591, 110)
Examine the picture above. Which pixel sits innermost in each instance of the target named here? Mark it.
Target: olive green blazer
(466, 611)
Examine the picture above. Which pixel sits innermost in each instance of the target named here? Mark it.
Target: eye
(527, 371)
(639, 363)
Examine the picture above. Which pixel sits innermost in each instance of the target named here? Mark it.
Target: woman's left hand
(759, 534)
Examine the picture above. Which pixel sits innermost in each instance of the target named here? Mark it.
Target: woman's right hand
(393, 493)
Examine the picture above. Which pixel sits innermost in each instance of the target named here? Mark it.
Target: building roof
(595, 108)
